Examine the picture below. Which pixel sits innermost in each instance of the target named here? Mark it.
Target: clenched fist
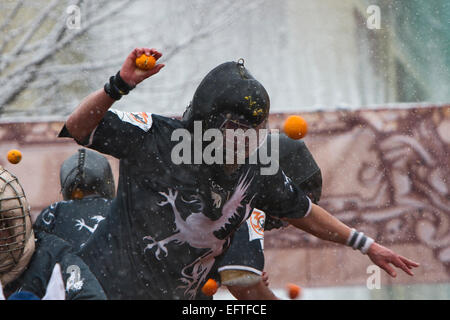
(131, 74)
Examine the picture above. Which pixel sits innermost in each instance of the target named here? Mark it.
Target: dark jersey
(169, 222)
(246, 251)
(73, 220)
(79, 281)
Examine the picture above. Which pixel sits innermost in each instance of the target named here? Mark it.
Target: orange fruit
(210, 287)
(145, 62)
(295, 127)
(14, 156)
(293, 290)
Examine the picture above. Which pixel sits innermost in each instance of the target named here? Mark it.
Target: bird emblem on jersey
(80, 224)
(199, 232)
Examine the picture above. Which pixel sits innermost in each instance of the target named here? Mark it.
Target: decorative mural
(385, 172)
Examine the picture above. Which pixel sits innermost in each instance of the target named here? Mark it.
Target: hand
(132, 74)
(382, 256)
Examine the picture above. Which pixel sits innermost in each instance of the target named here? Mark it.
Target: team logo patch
(142, 120)
(256, 224)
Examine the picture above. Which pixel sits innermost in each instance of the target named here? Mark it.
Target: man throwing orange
(171, 220)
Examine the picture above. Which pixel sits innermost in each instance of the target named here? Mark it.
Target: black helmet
(228, 91)
(88, 171)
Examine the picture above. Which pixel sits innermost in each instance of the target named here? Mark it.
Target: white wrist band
(358, 240)
(367, 245)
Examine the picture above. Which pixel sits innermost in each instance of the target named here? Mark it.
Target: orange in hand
(210, 287)
(293, 290)
(295, 127)
(14, 156)
(145, 62)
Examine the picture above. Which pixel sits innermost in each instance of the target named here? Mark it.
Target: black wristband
(121, 84)
(110, 91)
(117, 87)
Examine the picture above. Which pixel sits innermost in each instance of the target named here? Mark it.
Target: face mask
(16, 234)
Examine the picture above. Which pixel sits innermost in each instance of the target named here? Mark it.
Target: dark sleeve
(79, 281)
(313, 186)
(118, 133)
(313, 189)
(46, 219)
(281, 198)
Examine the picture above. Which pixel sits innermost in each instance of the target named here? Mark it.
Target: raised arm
(323, 225)
(92, 109)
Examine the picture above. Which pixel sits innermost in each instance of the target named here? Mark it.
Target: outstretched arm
(92, 109)
(323, 225)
